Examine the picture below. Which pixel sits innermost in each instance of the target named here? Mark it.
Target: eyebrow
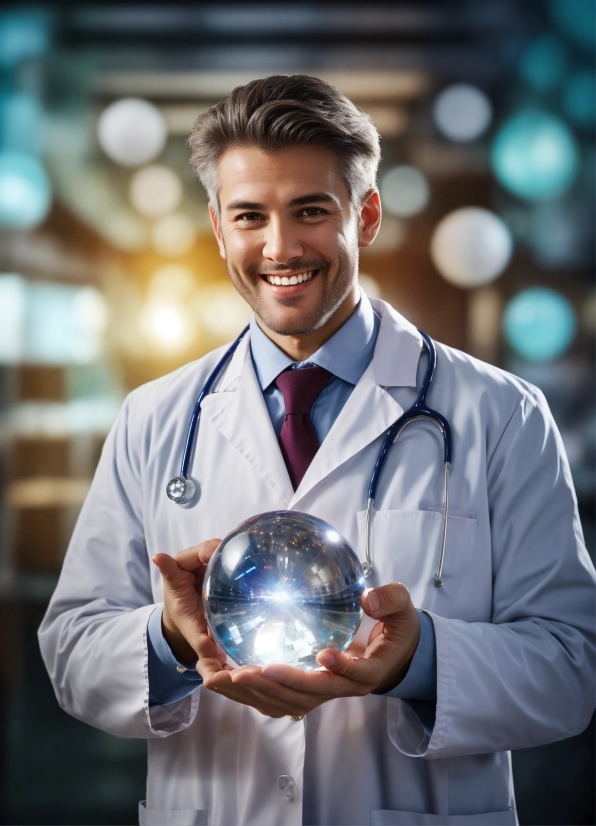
(312, 198)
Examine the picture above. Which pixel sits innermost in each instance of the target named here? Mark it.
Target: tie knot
(301, 387)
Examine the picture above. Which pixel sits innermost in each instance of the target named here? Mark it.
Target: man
(414, 723)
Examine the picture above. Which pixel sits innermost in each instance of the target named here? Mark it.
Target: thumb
(168, 568)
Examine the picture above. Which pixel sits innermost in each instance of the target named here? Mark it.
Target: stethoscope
(181, 489)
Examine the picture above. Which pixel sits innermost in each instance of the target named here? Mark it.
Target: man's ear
(217, 231)
(370, 219)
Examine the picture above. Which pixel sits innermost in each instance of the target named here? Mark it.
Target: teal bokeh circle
(535, 156)
(539, 324)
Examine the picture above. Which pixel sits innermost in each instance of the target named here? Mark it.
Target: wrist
(179, 646)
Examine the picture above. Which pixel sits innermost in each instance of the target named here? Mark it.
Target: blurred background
(109, 276)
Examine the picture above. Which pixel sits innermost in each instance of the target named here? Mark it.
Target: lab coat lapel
(239, 412)
(370, 410)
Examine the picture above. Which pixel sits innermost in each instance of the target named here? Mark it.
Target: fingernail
(326, 659)
(373, 600)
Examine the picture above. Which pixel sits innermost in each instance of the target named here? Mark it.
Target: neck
(302, 347)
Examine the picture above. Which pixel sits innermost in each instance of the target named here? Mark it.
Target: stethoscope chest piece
(180, 490)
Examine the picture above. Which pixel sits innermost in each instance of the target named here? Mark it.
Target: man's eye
(311, 212)
(249, 216)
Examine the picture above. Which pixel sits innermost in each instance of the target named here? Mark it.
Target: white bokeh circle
(132, 131)
(155, 190)
(404, 191)
(462, 112)
(471, 246)
(173, 234)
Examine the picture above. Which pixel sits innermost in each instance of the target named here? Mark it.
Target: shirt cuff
(420, 683)
(169, 679)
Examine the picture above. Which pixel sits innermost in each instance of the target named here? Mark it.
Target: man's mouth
(290, 280)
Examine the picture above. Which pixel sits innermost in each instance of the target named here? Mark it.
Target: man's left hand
(278, 690)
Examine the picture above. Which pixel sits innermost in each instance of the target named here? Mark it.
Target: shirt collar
(347, 354)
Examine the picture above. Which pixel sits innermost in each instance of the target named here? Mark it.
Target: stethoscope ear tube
(418, 412)
(181, 489)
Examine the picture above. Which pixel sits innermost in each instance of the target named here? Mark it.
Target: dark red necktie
(298, 438)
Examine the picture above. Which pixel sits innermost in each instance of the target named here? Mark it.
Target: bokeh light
(166, 326)
(462, 112)
(64, 324)
(173, 234)
(543, 63)
(155, 190)
(221, 311)
(21, 118)
(404, 191)
(132, 131)
(13, 306)
(535, 156)
(172, 281)
(471, 246)
(539, 324)
(576, 19)
(579, 98)
(25, 191)
(23, 34)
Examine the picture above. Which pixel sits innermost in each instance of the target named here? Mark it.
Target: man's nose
(282, 242)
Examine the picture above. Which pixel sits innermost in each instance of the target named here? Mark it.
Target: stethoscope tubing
(196, 412)
(181, 489)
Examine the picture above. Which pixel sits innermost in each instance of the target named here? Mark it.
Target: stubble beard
(332, 297)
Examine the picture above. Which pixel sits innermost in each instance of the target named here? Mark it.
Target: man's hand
(278, 690)
(183, 620)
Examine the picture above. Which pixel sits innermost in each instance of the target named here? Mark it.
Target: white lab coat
(514, 620)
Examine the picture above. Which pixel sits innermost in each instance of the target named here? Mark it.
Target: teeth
(284, 281)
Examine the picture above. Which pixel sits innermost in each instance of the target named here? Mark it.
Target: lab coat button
(287, 786)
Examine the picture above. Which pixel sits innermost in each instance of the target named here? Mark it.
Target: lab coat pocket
(405, 547)
(172, 817)
(385, 817)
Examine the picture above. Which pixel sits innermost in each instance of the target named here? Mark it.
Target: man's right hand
(183, 620)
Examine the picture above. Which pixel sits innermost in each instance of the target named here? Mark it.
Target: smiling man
(413, 724)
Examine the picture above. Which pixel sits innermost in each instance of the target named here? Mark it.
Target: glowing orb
(280, 588)
(539, 324)
(132, 131)
(25, 192)
(404, 191)
(155, 190)
(462, 112)
(471, 246)
(535, 156)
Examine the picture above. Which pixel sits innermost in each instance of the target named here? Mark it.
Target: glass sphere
(280, 588)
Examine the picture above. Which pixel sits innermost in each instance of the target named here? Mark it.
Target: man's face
(289, 234)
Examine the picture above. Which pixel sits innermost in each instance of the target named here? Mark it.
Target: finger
(387, 599)
(209, 666)
(264, 701)
(167, 565)
(363, 671)
(207, 549)
(266, 686)
(189, 559)
(320, 683)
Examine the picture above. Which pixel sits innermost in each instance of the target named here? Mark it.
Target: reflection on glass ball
(280, 588)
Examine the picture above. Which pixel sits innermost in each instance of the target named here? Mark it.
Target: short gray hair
(286, 110)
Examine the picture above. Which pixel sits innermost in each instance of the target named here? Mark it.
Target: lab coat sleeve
(527, 677)
(93, 637)
(169, 679)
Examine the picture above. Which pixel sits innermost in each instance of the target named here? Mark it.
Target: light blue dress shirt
(346, 354)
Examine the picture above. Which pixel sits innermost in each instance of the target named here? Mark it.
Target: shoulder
(472, 389)
(157, 398)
